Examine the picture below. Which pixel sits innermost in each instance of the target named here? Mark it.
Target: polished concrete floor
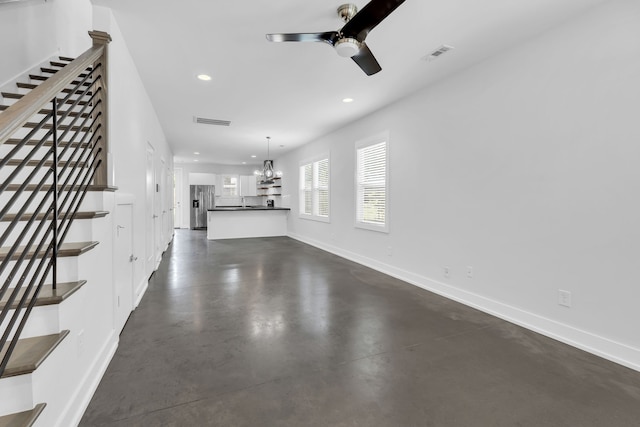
(272, 332)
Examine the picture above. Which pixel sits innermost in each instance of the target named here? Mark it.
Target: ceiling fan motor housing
(347, 47)
(346, 11)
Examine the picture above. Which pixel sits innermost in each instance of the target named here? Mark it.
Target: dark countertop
(248, 208)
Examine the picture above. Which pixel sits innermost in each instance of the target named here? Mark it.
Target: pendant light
(267, 173)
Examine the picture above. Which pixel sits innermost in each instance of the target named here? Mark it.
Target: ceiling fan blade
(365, 60)
(328, 37)
(369, 17)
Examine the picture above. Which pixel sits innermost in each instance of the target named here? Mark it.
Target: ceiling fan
(349, 40)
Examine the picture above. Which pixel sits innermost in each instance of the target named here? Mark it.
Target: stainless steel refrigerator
(202, 199)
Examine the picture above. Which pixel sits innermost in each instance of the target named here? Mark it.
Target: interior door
(151, 215)
(160, 212)
(123, 264)
(177, 198)
(170, 193)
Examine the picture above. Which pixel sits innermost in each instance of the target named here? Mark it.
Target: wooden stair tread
(47, 187)
(50, 111)
(22, 419)
(11, 95)
(47, 126)
(47, 163)
(66, 90)
(66, 250)
(77, 215)
(55, 70)
(36, 77)
(64, 64)
(47, 295)
(48, 143)
(30, 353)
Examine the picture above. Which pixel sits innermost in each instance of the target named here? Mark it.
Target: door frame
(151, 216)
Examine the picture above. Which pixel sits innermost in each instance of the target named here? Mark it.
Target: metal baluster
(54, 260)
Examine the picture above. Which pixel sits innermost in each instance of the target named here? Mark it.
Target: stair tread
(11, 95)
(32, 125)
(77, 215)
(45, 78)
(47, 295)
(30, 353)
(47, 163)
(48, 143)
(22, 85)
(50, 111)
(22, 419)
(32, 187)
(55, 70)
(66, 250)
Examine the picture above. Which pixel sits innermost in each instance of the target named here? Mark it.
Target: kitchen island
(234, 222)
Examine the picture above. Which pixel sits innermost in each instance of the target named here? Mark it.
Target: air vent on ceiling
(214, 122)
(438, 52)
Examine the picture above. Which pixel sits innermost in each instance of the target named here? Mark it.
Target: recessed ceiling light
(195, 160)
(253, 156)
(347, 100)
(204, 77)
(244, 163)
(196, 153)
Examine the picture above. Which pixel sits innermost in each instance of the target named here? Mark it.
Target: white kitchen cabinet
(248, 186)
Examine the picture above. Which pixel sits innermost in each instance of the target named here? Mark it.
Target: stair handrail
(85, 164)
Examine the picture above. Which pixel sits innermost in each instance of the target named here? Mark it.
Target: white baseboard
(608, 349)
(141, 289)
(80, 400)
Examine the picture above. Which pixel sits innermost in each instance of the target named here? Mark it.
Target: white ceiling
(293, 91)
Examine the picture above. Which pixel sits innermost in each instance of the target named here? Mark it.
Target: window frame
(236, 187)
(314, 188)
(359, 145)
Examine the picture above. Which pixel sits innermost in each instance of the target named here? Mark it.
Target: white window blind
(306, 186)
(371, 186)
(314, 190)
(321, 187)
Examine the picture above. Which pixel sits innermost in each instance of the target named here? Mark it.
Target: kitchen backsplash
(237, 201)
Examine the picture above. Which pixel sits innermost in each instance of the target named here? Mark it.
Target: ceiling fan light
(347, 47)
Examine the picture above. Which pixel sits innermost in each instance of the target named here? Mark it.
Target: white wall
(32, 32)
(524, 167)
(133, 125)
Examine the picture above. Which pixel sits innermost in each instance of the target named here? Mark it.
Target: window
(372, 184)
(229, 185)
(314, 189)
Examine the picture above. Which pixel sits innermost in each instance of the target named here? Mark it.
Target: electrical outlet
(470, 272)
(389, 251)
(564, 298)
(446, 271)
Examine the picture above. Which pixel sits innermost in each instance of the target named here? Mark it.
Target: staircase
(54, 233)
